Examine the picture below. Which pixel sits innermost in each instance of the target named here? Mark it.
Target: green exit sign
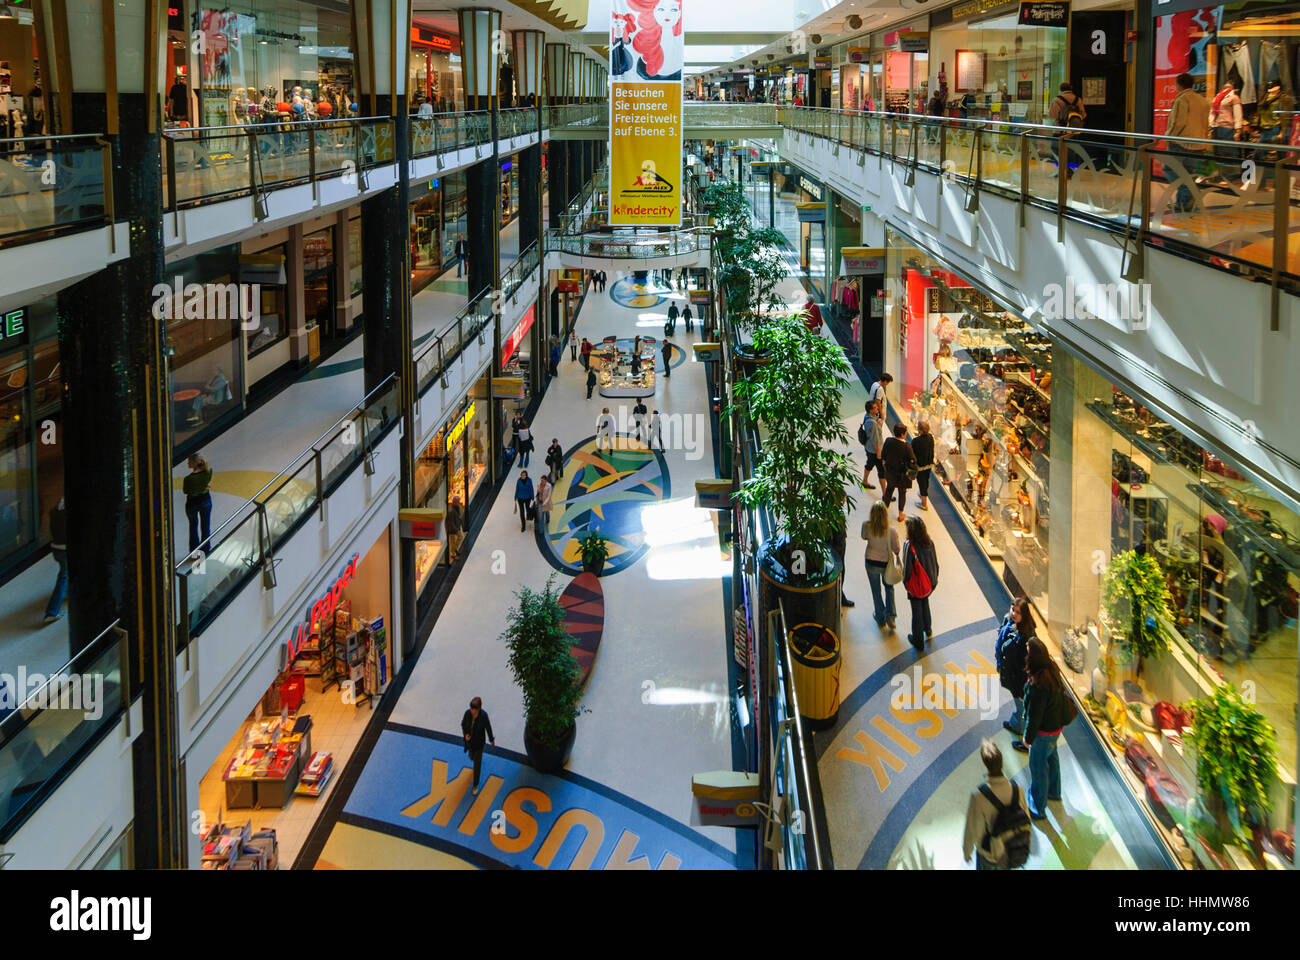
(866, 208)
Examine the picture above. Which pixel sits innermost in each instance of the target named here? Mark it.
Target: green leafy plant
(1236, 753)
(801, 474)
(750, 264)
(1135, 599)
(542, 663)
(594, 547)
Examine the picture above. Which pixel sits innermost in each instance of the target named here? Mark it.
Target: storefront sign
(1039, 14)
(645, 115)
(913, 42)
(324, 607)
(860, 261)
(569, 286)
(810, 188)
(419, 523)
(456, 429)
(713, 493)
(821, 63)
(13, 332)
(859, 54)
(811, 212)
(978, 8)
(725, 798)
(424, 37)
(701, 297)
(508, 388)
(511, 343)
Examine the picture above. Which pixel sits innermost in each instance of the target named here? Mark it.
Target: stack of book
(316, 776)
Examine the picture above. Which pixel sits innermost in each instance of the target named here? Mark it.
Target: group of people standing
(533, 502)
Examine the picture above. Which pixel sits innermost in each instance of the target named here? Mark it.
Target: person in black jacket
(923, 450)
(555, 458)
(477, 729)
(1012, 647)
(918, 550)
(899, 462)
(591, 381)
(1048, 709)
(462, 255)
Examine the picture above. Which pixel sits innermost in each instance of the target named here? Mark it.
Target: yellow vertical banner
(646, 57)
(645, 167)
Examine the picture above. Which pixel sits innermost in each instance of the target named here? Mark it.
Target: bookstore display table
(265, 772)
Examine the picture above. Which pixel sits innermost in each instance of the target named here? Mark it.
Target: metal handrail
(15, 719)
(436, 344)
(278, 480)
(44, 189)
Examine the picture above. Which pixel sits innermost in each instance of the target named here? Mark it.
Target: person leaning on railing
(1189, 117)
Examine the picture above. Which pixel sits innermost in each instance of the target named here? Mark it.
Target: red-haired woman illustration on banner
(622, 26)
(658, 40)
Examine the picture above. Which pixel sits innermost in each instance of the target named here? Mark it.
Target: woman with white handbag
(883, 568)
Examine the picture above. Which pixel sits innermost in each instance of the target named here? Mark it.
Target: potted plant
(543, 666)
(1135, 601)
(595, 550)
(1236, 760)
(801, 475)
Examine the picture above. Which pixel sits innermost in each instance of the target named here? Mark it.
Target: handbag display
(1168, 717)
(1166, 798)
(1073, 650)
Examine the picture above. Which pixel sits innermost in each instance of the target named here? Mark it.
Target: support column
(530, 195)
(383, 70)
(557, 159)
(117, 444)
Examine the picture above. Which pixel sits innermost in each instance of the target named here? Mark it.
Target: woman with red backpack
(920, 577)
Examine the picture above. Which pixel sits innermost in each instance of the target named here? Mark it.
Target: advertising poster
(647, 46)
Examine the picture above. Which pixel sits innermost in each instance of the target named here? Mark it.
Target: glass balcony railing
(243, 546)
(444, 132)
(517, 122)
(577, 115)
(55, 726)
(53, 185)
(436, 357)
(627, 244)
(205, 164)
(1226, 203)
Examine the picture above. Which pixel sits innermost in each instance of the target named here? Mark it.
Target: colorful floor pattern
(603, 490)
(414, 799)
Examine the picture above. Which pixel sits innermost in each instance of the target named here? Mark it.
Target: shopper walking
(605, 430)
(198, 502)
(638, 417)
(585, 353)
(920, 577)
(656, 432)
(882, 552)
(688, 318)
(524, 495)
(1189, 116)
(872, 435)
(673, 314)
(555, 459)
(462, 255)
(515, 424)
(477, 729)
(59, 551)
(878, 392)
(997, 828)
(900, 467)
(591, 381)
(573, 345)
(1010, 654)
(555, 358)
(525, 443)
(1048, 711)
(543, 502)
(923, 453)
(455, 528)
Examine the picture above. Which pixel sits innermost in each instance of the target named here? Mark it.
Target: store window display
(263, 62)
(1141, 510)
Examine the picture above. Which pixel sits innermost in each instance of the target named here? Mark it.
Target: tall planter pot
(548, 758)
(807, 598)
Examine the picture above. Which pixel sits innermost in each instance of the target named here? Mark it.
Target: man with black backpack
(998, 830)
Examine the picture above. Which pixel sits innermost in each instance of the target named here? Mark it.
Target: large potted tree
(549, 676)
(801, 475)
(1136, 606)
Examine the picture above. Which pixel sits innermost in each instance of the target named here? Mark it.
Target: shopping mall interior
(598, 435)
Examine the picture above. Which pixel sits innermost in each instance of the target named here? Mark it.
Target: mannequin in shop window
(178, 98)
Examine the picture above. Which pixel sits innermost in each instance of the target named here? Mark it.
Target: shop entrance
(22, 103)
(262, 796)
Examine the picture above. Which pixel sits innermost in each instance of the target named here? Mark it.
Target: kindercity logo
(77, 914)
(1128, 303)
(209, 301)
(64, 691)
